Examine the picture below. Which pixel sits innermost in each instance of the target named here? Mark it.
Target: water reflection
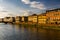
(19, 32)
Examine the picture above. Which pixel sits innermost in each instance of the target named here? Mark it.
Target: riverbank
(51, 27)
(42, 26)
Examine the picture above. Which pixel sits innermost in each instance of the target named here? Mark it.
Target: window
(56, 14)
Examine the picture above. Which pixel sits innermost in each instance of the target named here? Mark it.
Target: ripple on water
(13, 32)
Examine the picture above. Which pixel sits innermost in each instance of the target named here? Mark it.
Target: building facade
(8, 19)
(34, 18)
(42, 18)
(18, 19)
(50, 17)
(24, 19)
(53, 16)
(1, 19)
(30, 19)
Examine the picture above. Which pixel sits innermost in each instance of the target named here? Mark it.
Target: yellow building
(42, 18)
(24, 19)
(18, 19)
(30, 19)
(34, 18)
(53, 16)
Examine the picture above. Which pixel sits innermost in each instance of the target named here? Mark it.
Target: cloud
(6, 8)
(3, 14)
(3, 11)
(24, 12)
(35, 4)
(26, 1)
(9, 9)
(1, 8)
(38, 5)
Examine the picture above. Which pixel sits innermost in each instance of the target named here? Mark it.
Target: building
(34, 18)
(1, 19)
(42, 18)
(30, 19)
(8, 19)
(18, 19)
(53, 16)
(24, 19)
(13, 19)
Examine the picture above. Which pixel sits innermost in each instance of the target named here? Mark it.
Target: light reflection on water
(18, 32)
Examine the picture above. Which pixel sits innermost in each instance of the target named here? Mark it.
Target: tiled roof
(53, 10)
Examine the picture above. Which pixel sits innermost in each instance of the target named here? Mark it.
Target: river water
(18, 32)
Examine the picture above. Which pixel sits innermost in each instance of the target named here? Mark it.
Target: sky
(26, 7)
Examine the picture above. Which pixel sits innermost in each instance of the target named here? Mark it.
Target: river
(18, 32)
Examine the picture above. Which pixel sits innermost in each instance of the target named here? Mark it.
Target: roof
(42, 14)
(53, 10)
(34, 15)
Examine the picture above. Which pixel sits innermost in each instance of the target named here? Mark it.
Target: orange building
(53, 16)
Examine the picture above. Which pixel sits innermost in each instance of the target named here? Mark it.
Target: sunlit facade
(34, 18)
(8, 19)
(24, 19)
(30, 20)
(53, 16)
(42, 18)
(50, 17)
(18, 19)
